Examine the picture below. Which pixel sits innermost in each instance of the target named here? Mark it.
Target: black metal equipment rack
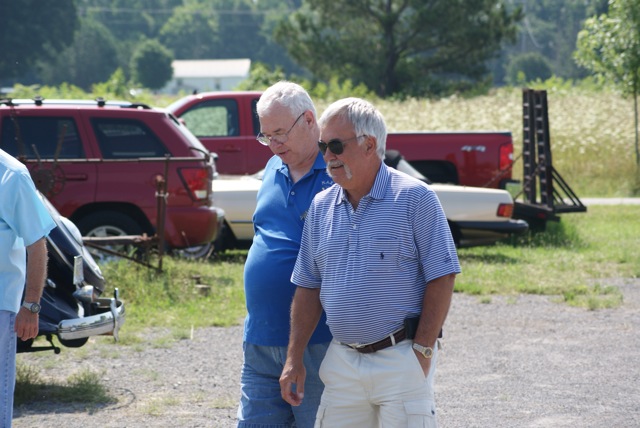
(556, 196)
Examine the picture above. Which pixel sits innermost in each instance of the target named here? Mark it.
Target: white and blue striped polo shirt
(372, 264)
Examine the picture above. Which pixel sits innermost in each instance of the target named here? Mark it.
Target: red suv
(99, 162)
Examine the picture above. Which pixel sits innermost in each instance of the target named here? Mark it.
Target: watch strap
(426, 351)
(32, 307)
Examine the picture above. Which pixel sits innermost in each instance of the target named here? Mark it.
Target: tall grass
(591, 132)
(187, 294)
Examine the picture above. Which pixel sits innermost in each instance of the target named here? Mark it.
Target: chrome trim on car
(107, 322)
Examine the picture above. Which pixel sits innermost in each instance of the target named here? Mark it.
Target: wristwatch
(34, 308)
(426, 351)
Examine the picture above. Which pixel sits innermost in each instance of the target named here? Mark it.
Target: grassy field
(578, 260)
(574, 260)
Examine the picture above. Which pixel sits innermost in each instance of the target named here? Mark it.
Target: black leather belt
(388, 341)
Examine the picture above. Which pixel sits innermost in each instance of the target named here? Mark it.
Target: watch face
(32, 307)
(425, 351)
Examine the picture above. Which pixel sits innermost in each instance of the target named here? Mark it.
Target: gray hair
(364, 117)
(286, 94)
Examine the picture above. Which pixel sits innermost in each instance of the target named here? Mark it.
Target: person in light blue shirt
(378, 256)
(291, 179)
(24, 224)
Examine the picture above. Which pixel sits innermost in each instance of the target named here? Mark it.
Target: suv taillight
(197, 181)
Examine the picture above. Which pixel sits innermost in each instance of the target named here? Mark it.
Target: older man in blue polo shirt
(24, 222)
(378, 256)
(291, 179)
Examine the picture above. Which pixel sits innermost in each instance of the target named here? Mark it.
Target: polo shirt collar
(378, 189)
(317, 164)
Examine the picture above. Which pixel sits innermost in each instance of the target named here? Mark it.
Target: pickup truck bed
(226, 123)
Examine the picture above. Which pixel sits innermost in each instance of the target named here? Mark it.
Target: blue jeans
(7, 366)
(261, 404)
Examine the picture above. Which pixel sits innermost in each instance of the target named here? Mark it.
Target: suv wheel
(109, 224)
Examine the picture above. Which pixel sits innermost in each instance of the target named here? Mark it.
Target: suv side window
(121, 139)
(52, 137)
(214, 118)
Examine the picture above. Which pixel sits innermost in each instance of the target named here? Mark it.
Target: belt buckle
(355, 346)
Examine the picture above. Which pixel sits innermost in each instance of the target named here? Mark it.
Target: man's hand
(26, 324)
(292, 374)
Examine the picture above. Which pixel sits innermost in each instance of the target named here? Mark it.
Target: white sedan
(477, 216)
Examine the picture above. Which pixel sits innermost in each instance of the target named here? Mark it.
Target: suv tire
(106, 224)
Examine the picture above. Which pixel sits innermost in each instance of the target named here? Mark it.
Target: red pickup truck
(227, 124)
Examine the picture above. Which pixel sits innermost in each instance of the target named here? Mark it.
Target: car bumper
(107, 321)
(473, 233)
(192, 227)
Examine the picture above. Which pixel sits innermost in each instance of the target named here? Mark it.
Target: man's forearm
(36, 270)
(435, 307)
(306, 311)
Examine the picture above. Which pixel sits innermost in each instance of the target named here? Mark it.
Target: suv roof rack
(100, 102)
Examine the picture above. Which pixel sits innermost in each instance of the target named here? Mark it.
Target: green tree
(31, 30)
(527, 67)
(90, 59)
(151, 64)
(412, 47)
(130, 19)
(609, 45)
(191, 32)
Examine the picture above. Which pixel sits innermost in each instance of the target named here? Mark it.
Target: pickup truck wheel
(109, 224)
(226, 240)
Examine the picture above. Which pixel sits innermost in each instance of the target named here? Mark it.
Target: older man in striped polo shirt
(378, 256)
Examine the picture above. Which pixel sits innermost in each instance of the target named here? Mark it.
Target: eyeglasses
(336, 146)
(279, 138)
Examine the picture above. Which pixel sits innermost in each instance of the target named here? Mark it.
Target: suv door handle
(231, 148)
(76, 177)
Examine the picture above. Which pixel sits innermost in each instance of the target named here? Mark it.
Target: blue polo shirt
(372, 264)
(23, 221)
(278, 221)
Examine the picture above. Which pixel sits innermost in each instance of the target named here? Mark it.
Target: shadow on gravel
(49, 402)
(84, 391)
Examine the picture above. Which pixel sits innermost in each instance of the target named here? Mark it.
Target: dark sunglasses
(336, 146)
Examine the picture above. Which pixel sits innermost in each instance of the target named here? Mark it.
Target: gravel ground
(522, 361)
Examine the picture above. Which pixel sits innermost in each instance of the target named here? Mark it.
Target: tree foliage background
(409, 47)
(32, 30)
(413, 47)
(151, 64)
(609, 45)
